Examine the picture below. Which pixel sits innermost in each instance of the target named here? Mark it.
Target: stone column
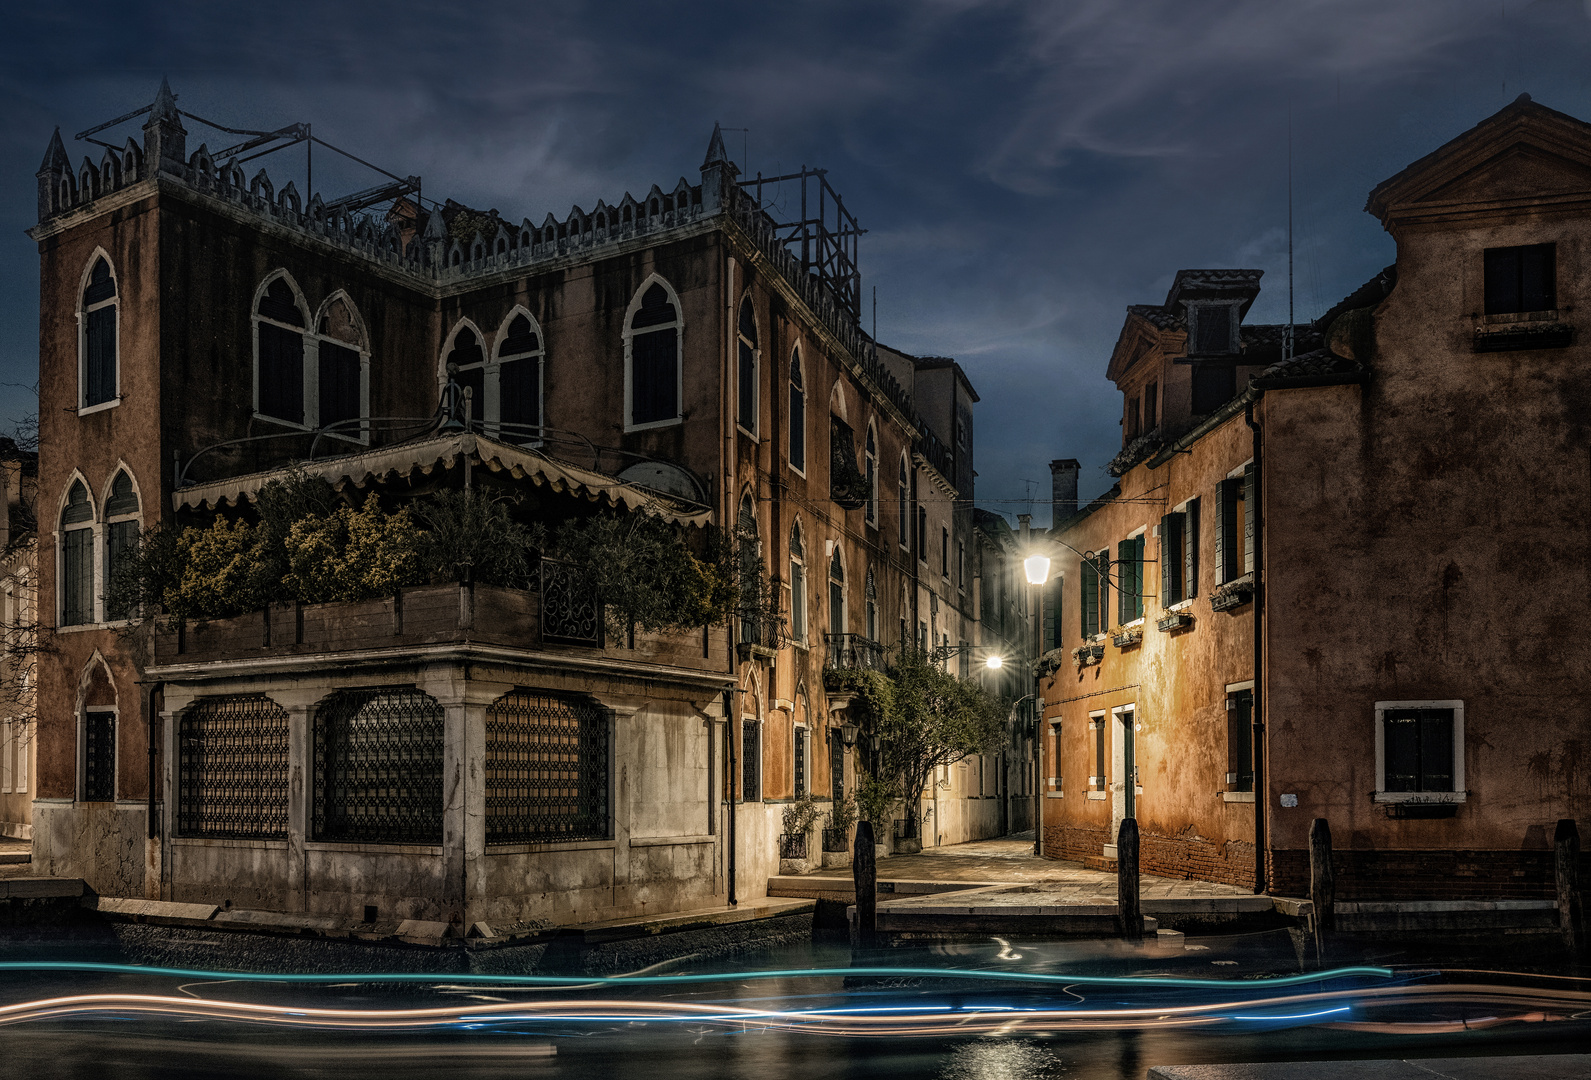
(621, 764)
(300, 704)
(463, 754)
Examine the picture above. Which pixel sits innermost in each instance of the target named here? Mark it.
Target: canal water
(983, 1011)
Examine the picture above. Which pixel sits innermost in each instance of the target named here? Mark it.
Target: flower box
(1174, 620)
(1126, 639)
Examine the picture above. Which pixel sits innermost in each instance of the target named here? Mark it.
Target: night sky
(1025, 170)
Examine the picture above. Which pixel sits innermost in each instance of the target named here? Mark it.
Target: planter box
(1176, 620)
(1126, 639)
(1234, 594)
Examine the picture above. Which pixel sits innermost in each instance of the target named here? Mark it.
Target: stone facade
(195, 253)
(1405, 546)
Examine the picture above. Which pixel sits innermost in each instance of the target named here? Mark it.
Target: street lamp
(994, 662)
(1037, 569)
(848, 733)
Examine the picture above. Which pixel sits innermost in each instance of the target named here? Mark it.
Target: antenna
(875, 313)
(1287, 335)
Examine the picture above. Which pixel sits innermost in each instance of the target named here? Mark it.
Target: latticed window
(751, 761)
(378, 767)
(546, 769)
(99, 757)
(232, 769)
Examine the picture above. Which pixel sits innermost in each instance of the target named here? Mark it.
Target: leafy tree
(470, 536)
(352, 554)
(923, 718)
(222, 572)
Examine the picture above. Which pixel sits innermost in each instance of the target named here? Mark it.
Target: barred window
(99, 756)
(751, 761)
(378, 767)
(546, 769)
(232, 769)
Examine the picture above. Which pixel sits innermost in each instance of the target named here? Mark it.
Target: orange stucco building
(1340, 579)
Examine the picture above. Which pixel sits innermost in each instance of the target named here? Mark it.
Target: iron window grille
(232, 769)
(546, 769)
(751, 761)
(836, 767)
(378, 767)
(571, 612)
(800, 762)
(99, 757)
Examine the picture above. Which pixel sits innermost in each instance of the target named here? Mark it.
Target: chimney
(1063, 489)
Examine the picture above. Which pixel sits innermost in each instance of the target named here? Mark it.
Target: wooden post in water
(864, 873)
(1127, 905)
(1566, 876)
(1322, 879)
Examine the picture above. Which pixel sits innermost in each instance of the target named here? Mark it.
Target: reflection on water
(737, 1020)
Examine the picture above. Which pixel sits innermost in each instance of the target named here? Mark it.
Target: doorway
(1124, 771)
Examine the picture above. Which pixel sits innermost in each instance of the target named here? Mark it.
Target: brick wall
(1231, 863)
(1424, 875)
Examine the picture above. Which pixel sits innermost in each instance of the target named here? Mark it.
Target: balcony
(854, 651)
(558, 620)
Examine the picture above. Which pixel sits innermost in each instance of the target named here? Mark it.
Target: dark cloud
(1026, 170)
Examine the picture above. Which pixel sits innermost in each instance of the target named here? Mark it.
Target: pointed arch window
(836, 593)
(122, 523)
(798, 414)
(519, 382)
(870, 469)
(872, 606)
(750, 579)
(343, 367)
(77, 557)
(98, 372)
(905, 510)
(466, 365)
(747, 383)
(279, 324)
(652, 360)
(798, 585)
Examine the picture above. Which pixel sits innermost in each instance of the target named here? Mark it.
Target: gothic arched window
(519, 382)
(343, 370)
(798, 585)
(652, 359)
(870, 470)
(99, 377)
(748, 384)
(798, 414)
(466, 365)
(77, 557)
(123, 521)
(836, 593)
(279, 323)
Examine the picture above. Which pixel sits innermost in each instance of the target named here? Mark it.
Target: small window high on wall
(98, 374)
(652, 345)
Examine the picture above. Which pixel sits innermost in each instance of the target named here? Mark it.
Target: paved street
(1010, 860)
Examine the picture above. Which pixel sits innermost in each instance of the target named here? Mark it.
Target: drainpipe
(729, 735)
(1261, 800)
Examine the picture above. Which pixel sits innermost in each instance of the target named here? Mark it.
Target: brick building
(1394, 501)
(684, 352)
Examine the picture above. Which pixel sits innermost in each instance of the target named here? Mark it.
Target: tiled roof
(1311, 365)
(1269, 336)
(1158, 315)
(1139, 449)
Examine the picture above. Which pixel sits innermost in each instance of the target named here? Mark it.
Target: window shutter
(1090, 598)
(100, 365)
(1190, 551)
(1250, 499)
(1170, 537)
(1124, 586)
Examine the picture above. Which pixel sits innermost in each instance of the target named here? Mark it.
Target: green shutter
(1138, 576)
(1124, 583)
(1226, 531)
(1190, 551)
(1168, 530)
(1250, 501)
(1090, 599)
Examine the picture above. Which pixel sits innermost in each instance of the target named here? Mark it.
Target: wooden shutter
(1124, 585)
(1250, 505)
(1090, 598)
(1190, 550)
(1170, 542)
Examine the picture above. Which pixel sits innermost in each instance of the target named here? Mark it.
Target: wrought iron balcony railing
(854, 651)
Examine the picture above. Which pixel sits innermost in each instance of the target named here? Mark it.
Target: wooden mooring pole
(864, 873)
(1566, 876)
(1127, 905)
(1322, 878)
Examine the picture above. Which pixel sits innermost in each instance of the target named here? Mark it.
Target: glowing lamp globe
(1037, 568)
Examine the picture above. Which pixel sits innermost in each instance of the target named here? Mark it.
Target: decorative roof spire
(165, 101)
(715, 148)
(55, 154)
(165, 139)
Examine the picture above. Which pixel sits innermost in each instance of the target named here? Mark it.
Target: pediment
(1523, 151)
(1138, 338)
(1520, 171)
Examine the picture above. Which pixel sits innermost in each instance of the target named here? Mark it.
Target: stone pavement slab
(1544, 1067)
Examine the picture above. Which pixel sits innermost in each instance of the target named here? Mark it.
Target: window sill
(1055, 794)
(86, 410)
(1237, 796)
(228, 842)
(279, 422)
(1420, 796)
(1098, 796)
(747, 432)
(566, 845)
(653, 425)
(78, 628)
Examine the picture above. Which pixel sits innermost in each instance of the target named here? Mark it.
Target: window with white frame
(652, 358)
(836, 593)
(1179, 554)
(466, 365)
(123, 521)
(798, 585)
(1056, 784)
(870, 470)
(280, 319)
(342, 371)
(1420, 751)
(98, 369)
(77, 557)
(904, 500)
(514, 393)
(1098, 728)
(746, 369)
(798, 413)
